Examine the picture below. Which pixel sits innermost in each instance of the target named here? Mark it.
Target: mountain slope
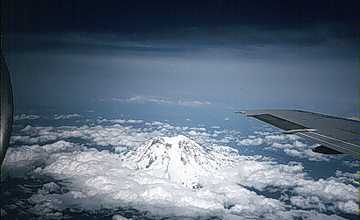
(178, 159)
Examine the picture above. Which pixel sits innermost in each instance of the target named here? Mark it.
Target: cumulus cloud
(107, 170)
(291, 145)
(26, 158)
(113, 181)
(340, 196)
(121, 133)
(347, 177)
(139, 99)
(307, 154)
(117, 133)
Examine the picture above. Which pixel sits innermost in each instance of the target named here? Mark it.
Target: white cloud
(251, 141)
(291, 145)
(139, 99)
(112, 181)
(300, 214)
(118, 217)
(311, 202)
(114, 177)
(109, 180)
(347, 177)
(68, 116)
(133, 121)
(341, 196)
(308, 154)
(26, 158)
(26, 117)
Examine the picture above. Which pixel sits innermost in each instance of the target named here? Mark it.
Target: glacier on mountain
(178, 159)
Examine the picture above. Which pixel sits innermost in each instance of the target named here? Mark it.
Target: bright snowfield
(161, 170)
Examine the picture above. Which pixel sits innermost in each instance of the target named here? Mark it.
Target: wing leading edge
(335, 134)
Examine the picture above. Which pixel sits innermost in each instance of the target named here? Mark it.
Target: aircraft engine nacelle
(6, 117)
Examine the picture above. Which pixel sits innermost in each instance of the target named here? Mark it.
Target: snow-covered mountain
(178, 159)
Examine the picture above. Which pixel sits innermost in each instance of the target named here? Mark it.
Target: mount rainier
(179, 159)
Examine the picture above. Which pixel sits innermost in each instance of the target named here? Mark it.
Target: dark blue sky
(144, 16)
(209, 54)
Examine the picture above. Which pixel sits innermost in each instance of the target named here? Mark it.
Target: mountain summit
(178, 159)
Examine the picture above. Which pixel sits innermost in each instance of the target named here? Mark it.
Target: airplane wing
(334, 134)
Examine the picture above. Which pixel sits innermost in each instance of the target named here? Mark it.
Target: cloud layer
(26, 117)
(102, 171)
(139, 99)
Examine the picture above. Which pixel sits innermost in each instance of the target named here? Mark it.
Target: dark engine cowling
(6, 108)
(325, 150)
